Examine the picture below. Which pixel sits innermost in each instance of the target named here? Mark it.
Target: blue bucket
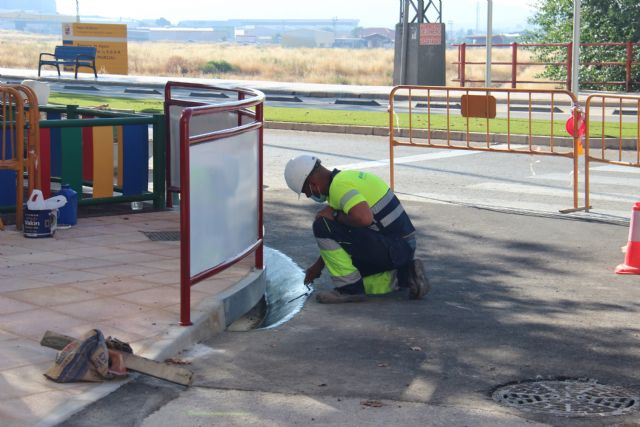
(40, 223)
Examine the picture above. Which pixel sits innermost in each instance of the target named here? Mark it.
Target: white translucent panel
(174, 144)
(198, 125)
(224, 199)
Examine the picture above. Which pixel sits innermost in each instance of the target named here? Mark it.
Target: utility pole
(77, 10)
(420, 44)
(575, 67)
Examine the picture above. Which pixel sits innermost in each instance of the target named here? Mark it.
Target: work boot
(418, 283)
(335, 297)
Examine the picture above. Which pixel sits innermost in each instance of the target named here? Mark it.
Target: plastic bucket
(40, 223)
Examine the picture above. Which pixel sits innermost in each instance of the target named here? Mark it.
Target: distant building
(338, 26)
(382, 31)
(350, 43)
(378, 41)
(178, 34)
(308, 38)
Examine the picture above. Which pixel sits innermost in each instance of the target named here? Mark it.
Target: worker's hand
(326, 212)
(312, 273)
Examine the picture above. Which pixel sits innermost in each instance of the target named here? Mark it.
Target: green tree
(602, 21)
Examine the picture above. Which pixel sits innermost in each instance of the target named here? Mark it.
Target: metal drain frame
(610, 400)
(162, 236)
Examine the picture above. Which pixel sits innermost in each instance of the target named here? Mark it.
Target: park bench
(73, 56)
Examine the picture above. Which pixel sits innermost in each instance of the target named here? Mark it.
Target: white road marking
(540, 191)
(407, 159)
(617, 168)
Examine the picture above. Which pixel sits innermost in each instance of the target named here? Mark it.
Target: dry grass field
(270, 63)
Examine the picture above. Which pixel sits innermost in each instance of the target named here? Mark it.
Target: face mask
(320, 198)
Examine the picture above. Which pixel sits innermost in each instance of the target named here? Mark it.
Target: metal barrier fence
(12, 160)
(615, 141)
(102, 155)
(613, 55)
(105, 153)
(474, 119)
(215, 163)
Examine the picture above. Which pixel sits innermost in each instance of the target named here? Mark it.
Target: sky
(371, 13)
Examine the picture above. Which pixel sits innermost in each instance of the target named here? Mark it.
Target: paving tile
(87, 263)
(4, 336)
(150, 323)
(159, 297)
(10, 304)
(68, 276)
(20, 352)
(163, 278)
(165, 264)
(134, 257)
(143, 246)
(114, 286)
(100, 309)
(33, 324)
(37, 256)
(50, 296)
(122, 270)
(8, 284)
(31, 269)
(94, 251)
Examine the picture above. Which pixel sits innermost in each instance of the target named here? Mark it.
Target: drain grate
(162, 236)
(567, 397)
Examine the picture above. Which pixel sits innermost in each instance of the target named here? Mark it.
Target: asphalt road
(517, 294)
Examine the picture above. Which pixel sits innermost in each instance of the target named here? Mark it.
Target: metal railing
(630, 50)
(201, 130)
(615, 141)
(468, 119)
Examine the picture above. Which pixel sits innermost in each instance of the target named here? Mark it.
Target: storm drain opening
(567, 397)
(284, 297)
(162, 236)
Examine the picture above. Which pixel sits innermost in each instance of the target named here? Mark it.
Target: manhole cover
(162, 236)
(568, 398)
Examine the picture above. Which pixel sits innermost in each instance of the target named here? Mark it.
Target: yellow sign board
(110, 41)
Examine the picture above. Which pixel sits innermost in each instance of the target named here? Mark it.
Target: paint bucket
(40, 223)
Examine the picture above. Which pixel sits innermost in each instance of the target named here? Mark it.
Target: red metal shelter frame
(246, 99)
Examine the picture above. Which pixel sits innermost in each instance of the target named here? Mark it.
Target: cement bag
(85, 359)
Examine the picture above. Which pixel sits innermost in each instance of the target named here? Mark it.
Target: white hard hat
(297, 171)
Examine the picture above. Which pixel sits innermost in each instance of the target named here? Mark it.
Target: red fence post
(569, 64)
(514, 64)
(462, 53)
(259, 255)
(627, 81)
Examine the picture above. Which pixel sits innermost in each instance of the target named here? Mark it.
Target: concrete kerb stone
(209, 318)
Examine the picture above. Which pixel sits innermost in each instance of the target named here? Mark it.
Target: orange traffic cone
(632, 258)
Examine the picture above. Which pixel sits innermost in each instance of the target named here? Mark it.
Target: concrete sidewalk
(103, 273)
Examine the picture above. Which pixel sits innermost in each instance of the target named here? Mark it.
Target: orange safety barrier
(12, 142)
(615, 141)
(447, 117)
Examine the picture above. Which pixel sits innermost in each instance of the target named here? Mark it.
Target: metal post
(463, 63)
(569, 64)
(159, 149)
(575, 66)
(627, 84)
(514, 65)
(487, 75)
(405, 41)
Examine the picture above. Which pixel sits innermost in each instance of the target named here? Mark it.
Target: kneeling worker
(366, 239)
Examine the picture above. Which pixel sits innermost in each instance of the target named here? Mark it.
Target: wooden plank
(172, 373)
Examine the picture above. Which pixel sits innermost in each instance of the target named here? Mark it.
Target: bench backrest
(70, 52)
